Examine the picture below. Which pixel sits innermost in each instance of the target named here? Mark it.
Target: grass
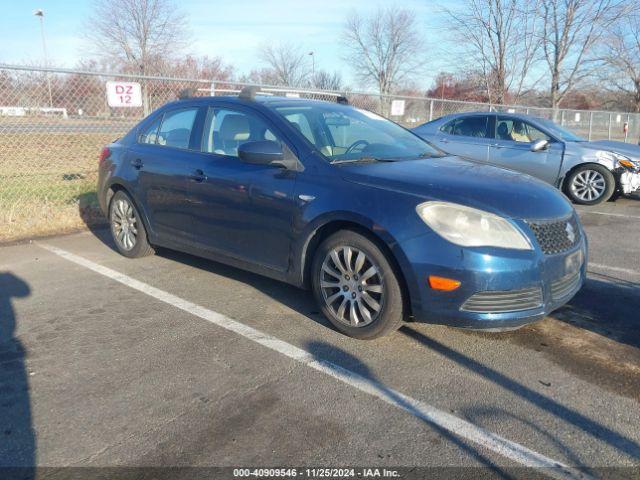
(47, 183)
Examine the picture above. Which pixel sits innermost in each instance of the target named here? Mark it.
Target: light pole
(313, 64)
(40, 13)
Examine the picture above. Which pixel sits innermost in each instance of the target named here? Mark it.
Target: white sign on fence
(124, 94)
(397, 108)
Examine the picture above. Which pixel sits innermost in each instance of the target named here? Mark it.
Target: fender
(307, 240)
(120, 183)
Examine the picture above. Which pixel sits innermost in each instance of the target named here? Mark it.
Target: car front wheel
(356, 286)
(590, 185)
(127, 229)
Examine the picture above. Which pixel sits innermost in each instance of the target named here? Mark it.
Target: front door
(241, 210)
(512, 149)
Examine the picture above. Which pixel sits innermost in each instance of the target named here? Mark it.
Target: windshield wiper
(362, 159)
(431, 155)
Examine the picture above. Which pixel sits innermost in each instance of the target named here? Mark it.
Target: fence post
(626, 134)
(590, 124)
(562, 117)
(610, 122)
(431, 110)
(212, 89)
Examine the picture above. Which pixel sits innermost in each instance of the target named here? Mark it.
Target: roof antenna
(249, 92)
(342, 100)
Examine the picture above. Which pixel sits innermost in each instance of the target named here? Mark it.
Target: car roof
(451, 116)
(266, 100)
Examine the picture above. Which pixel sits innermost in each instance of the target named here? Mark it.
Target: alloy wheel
(588, 185)
(352, 286)
(124, 224)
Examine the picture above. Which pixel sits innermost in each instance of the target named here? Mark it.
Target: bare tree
(324, 80)
(143, 35)
(501, 35)
(622, 56)
(570, 31)
(385, 49)
(287, 64)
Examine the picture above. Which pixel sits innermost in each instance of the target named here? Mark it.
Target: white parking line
(421, 410)
(600, 266)
(622, 215)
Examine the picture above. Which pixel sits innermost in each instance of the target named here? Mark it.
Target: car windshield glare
(344, 133)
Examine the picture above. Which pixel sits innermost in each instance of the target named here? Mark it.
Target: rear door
(467, 136)
(512, 149)
(161, 157)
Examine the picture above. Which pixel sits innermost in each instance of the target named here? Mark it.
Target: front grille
(556, 236)
(505, 301)
(565, 286)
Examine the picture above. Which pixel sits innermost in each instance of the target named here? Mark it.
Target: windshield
(343, 133)
(558, 131)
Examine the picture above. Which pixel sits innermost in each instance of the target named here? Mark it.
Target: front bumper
(629, 181)
(489, 270)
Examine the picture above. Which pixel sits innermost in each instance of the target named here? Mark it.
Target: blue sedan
(381, 225)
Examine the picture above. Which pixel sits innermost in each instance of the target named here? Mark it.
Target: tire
(590, 185)
(352, 286)
(127, 229)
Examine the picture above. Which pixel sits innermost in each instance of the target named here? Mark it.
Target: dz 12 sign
(124, 94)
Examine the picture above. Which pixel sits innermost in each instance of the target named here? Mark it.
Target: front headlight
(618, 159)
(470, 227)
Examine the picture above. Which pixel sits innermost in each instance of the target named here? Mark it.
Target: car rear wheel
(127, 229)
(590, 185)
(356, 286)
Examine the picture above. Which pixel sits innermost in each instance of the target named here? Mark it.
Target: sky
(232, 30)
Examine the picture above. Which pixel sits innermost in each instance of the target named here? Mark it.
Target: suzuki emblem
(571, 234)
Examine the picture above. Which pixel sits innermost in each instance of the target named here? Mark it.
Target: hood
(629, 149)
(452, 179)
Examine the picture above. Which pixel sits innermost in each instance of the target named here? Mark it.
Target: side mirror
(539, 145)
(263, 152)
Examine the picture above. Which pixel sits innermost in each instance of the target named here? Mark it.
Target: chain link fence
(54, 122)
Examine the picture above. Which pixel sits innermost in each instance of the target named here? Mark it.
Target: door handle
(198, 176)
(137, 164)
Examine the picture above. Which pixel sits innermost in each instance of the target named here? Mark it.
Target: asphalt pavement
(172, 360)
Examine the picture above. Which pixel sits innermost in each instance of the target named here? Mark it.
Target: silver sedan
(588, 172)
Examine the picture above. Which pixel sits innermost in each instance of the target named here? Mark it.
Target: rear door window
(176, 127)
(476, 126)
(150, 133)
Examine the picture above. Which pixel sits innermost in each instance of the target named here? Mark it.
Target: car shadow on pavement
(89, 211)
(342, 362)
(607, 306)
(295, 298)
(17, 438)
(562, 412)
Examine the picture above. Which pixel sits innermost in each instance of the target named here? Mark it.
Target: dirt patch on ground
(588, 354)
